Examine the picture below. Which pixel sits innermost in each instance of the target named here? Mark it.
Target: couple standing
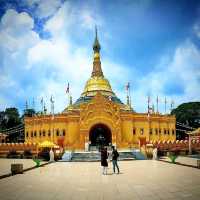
(104, 157)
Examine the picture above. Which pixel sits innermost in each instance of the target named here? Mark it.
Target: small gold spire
(97, 71)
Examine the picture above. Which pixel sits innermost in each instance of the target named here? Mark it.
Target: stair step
(96, 156)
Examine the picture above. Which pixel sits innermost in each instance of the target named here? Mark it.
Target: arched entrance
(100, 135)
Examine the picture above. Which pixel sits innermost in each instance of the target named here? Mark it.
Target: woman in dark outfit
(104, 162)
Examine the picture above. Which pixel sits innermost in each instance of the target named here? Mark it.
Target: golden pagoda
(99, 117)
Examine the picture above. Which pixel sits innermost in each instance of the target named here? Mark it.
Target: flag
(67, 90)
(127, 86)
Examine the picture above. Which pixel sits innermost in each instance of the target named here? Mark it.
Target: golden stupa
(97, 81)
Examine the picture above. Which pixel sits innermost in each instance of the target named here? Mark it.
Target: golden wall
(126, 127)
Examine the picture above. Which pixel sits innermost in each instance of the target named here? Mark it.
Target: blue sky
(154, 45)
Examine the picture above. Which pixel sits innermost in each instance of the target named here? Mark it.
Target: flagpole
(52, 117)
(148, 101)
(26, 106)
(33, 104)
(157, 104)
(172, 105)
(165, 105)
(130, 93)
(148, 115)
(68, 93)
(127, 93)
(42, 102)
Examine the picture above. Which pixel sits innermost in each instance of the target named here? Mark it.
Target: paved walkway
(139, 180)
(5, 164)
(184, 160)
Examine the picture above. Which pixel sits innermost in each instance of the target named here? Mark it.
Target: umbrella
(48, 144)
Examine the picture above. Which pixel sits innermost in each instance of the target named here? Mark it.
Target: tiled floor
(184, 160)
(139, 180)
(5, 164)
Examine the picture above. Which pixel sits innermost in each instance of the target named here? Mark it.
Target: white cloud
(59, 24)
(16, 37)
(16, 31)
(44, 8)
(34, 68)
(183, 68)
(196, 29)
(47, 8)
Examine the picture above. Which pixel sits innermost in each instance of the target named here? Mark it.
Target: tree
(29, 112)
(188, 114)
(10, 118)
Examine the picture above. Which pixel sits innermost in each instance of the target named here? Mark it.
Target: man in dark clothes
(104, 162)
(115, 156)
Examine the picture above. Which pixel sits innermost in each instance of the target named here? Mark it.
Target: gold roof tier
(95, 84)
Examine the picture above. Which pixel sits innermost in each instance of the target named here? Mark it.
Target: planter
(198, 164)
(17, 168)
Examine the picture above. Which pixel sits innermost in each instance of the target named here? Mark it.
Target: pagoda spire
(97, 71)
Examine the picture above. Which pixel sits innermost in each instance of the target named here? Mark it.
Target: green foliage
(37, 162)
(173, 158)
(188, 113)
(9, 118)
(29, 112)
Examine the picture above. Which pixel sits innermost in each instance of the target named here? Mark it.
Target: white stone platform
(139, 180)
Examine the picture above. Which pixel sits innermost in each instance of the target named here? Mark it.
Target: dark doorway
(100, 135)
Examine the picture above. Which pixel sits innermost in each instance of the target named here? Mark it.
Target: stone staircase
(138, 155)
(95, 156)
(85, 156)
(126, 155)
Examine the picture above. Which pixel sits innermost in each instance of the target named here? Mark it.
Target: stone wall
(19, 148)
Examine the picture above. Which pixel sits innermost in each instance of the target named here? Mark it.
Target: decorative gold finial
(97, 71)
(96, 30)
(70, 100)
(96, 45)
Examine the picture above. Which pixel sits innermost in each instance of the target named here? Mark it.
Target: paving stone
(139, 180)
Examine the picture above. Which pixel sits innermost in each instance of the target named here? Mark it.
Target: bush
(173, 157)
(37, 162)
